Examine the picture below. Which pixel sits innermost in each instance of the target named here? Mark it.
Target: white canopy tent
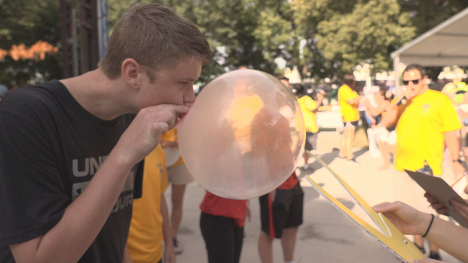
(444, 45)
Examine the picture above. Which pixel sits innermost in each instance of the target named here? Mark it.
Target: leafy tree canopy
(323, 38)
(366, 34)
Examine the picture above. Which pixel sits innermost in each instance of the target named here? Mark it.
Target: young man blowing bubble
(70, 148)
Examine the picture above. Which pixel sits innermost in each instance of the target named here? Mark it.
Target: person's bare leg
(350, 142)
(418, 240)
(391, 148)
(288, 242)
(434, 248)
(177, 201)
(384, 150)
(460, 136)
(306, 158)
(265, 248)
(344, 138)
(465, 153)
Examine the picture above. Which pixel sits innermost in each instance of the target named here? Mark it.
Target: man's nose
(189, 98)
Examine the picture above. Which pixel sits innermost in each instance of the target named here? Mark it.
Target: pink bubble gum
(243, 136)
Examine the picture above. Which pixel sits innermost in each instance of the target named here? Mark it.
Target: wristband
(429, 227)
(457, 160)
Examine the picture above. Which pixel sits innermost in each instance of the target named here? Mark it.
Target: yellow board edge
(393, 239)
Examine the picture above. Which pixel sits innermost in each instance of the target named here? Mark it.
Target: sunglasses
(415, 81)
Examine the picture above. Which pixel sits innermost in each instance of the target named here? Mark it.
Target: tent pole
(396, 62)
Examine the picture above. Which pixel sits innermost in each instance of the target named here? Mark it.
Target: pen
(456, 181)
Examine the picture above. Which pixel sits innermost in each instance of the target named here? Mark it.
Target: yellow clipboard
(389, 236)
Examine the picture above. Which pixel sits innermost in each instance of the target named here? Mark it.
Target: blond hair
(155, 36)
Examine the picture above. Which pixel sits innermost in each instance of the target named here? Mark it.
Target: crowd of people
(416, 126)
(83, 170)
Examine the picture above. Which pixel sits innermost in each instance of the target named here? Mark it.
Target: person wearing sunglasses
(428, 124)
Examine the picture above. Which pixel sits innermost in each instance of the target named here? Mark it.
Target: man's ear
(131, 72)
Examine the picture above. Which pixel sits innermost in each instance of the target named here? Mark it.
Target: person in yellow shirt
(309, 109)
(179, 176)
(428, 124)
(241, 114)
(150, 223)
(349, 102)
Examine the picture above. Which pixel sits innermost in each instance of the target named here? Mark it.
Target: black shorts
(287, 210)
(352, 124)
(311, 141)
(466, 140)
(223, 238)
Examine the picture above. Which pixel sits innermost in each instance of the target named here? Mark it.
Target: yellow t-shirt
(421, 131)
(241, 114)
(308, 105)
(171, 135)
(348, 112)
(145, 238)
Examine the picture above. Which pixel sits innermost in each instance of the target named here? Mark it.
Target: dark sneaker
(421, 248)
(435, 255)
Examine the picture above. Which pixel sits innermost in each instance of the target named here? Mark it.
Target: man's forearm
(319, 103)
(169, 254)
(354, 100)
(451, 141)
(83, 218)
(167, 228)
(449, 237)
(370, 115)
(127, 258)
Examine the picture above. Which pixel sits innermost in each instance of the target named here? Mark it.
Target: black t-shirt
(50, 148)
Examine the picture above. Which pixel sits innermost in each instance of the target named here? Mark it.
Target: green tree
(308, 15)
(229, 26)
(277, 33)
(26, 22)
(369, 33)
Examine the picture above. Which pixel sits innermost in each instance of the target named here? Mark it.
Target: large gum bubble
(243, 136)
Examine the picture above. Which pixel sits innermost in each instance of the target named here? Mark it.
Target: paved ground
(327, 235)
